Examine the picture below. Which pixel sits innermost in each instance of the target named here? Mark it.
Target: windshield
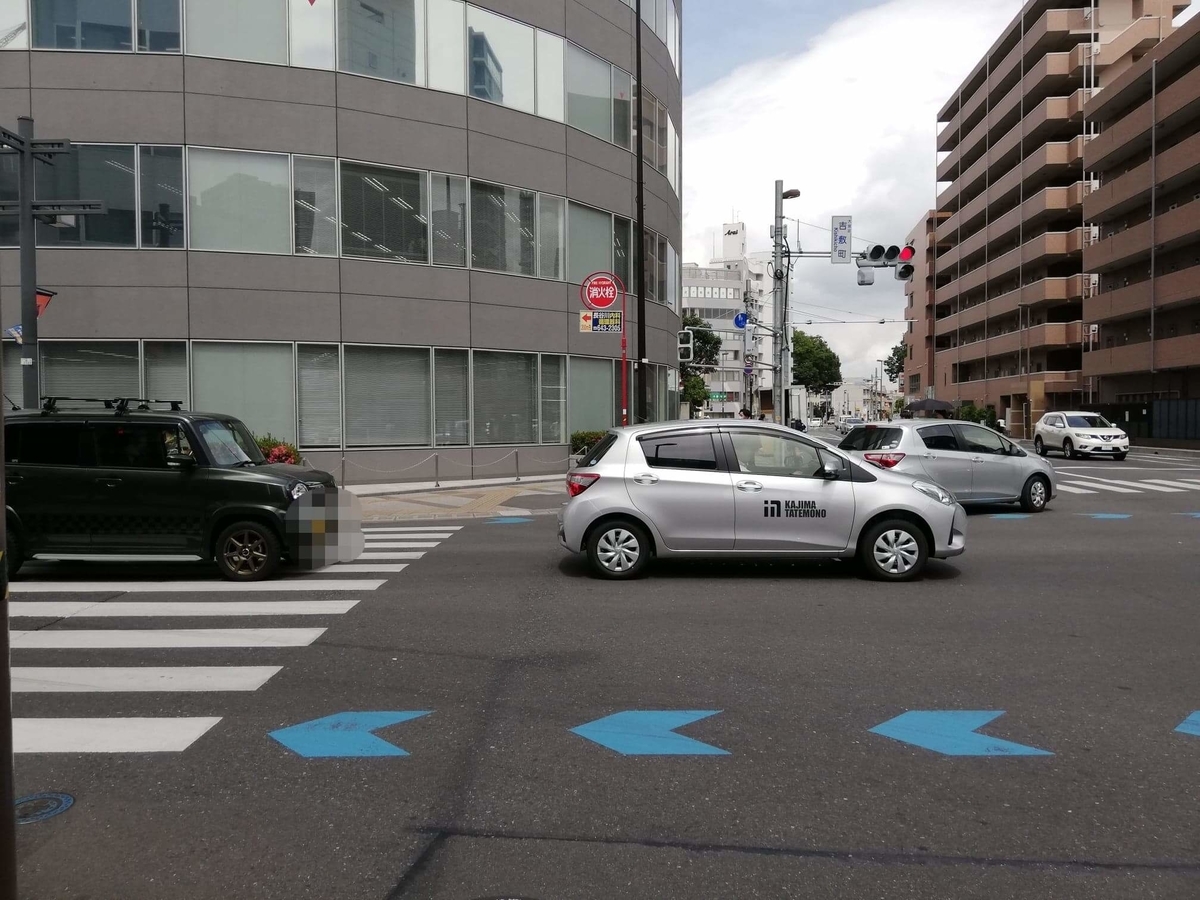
(229, 443)
(1090, 421)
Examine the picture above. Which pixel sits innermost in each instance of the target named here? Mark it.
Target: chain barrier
(437, 461)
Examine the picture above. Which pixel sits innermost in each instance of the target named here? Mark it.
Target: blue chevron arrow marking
(952, 733)
(1190, 725)
(649, 732)
(344, 735)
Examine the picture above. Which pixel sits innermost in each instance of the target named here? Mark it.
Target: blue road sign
(344, 735)
(748, 370)
(1190, 725)
(741, 320)
(952, 733)
(649, 732)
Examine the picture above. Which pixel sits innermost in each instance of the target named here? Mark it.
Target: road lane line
(66, 609)
(361, 568)
(401, 545)
(1074, 490)
(368, 555)
(198, 587)
(174, 638)
(117, 735)
(390, 530)
(1099, 485)
(1178, 484)
(139, 679)
(420, 536)
(1140, 485)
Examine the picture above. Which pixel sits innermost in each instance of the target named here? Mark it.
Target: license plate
(1107, 447)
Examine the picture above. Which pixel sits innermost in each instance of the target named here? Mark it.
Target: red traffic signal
(907, 253)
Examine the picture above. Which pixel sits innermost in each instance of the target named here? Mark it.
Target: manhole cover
(39, 807)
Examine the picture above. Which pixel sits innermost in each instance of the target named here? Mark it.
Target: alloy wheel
(245, 552)
(896, 551)
(1037, 494)
(618, 550)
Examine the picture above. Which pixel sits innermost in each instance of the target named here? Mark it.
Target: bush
(582, 440)
(277, 451)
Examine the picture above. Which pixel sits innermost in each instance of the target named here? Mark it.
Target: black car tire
(1031, 500)
(1039, 446)
(12, 552)
(914, 537)
(1120, 457)
(248, 551)
(619, 537)
(1069, 449)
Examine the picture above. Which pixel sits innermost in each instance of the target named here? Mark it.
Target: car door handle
(646, 479)
(108, 482)
(931, 456)
(749, 487)
(976, 459)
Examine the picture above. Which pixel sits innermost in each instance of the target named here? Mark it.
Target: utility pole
(643, 393)
(777, 295)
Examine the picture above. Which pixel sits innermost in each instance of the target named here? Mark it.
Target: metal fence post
(437, 470)
(518, 453)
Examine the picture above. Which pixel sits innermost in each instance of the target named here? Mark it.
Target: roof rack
(120, 404)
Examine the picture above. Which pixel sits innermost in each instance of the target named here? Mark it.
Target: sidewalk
(421, 487)
(487, 498)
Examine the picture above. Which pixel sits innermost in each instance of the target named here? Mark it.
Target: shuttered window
(592, 394)
(388, 402)
(97, 369)
(166, 371)
(319, 395)
(451, 404)
(506, 398)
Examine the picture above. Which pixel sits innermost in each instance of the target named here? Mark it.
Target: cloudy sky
(840, 100)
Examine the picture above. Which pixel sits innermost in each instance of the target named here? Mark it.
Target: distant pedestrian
(762, 417)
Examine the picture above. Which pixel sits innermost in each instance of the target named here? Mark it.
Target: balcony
(1173, 228)
(1035, 209)
(1169, 353)
(1050, 335)
(1037, 250)
(1120, 139)
(1171, 290)
(1179, 164)
(1035, 383)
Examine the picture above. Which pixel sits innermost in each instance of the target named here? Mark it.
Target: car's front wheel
(248, 551)
(894, 550)
(619, 549)
(1069, 449)
(1039, 446)
(1035, 495)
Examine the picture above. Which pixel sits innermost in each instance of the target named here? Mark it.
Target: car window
(872, 438)
(680, 451)
(939, 437)
(598, 450)
(45, 444)
(770, 454)
(1054, 421)
(980, 440)
(136, 445)
(229, 443)
(1088, 422)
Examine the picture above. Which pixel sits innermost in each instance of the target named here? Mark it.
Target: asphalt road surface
(1072, 633)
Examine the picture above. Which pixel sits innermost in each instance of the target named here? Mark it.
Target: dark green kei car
(158, 485)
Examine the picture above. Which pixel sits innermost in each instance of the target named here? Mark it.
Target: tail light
(578, 482)
(884, 460)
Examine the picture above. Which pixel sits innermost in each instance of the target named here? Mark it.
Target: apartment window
(239, 201)
(447, 49)
(14, 25)
(451, 371)
(92, 172)
(622, 108)
(311, 34)
(319, 395)
(554, 399)
(589, 93)
(914, 384)
(88, 369)
(500, 55)
(382, 38)
(387, 397)
(591, 242)
(506, 397)
(383, 213)
(592, 392)
(502, 228)
(161, 176)
(649, 127)
(254, 30)
(165, 364)
(551, 96)
(650, 255)
(448, 225)
(253, 382)
(552, 237)
(82, 24)
(314, 205)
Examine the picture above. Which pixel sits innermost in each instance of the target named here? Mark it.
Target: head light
(298, 490)
(934, 492)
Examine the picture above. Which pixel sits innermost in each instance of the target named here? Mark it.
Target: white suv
(1079, 434)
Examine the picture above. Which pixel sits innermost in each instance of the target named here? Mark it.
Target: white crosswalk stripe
(1067, 489)
(356, 567)
(115, 735)
(278, 585)
(1176, 484)
(82, 609)
(143, 679)
(1100, 486)
(368, 529)
(148, 638)
(1137, 485)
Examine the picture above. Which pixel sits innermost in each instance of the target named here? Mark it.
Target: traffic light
(904, 263)
(687, 345)
(880, 257)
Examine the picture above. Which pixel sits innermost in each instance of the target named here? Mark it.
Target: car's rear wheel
(248, 551)
(12, 551)
(1069, 449)
(1035, 495)
(1039, 446)
(619, 549)
(894, 550)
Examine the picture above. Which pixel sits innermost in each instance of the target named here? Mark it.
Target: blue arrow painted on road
(344, 735)
(1106, 515)
(649, 732)
(1190, 725)
(952, 733)
(1011, 516)
(509, 520)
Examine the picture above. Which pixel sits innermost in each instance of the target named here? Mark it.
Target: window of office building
(500, 59)
(551, 102)
(447, 47)
(502, 228)
(660, 19)
(252, 382)
(451, 402)
(589, 93)
(622, 108)
(383, 213)
(673, 156)
(89, 369)
(314, 205)
(13, 25)
(319, 395)
(82, 24)
(552, 237)
(661, 293)
(622, 268)
(239, 200)
(166, 372)
(648, 13)
(448, 226)
(92, 172)
(662, 142)
(10, 361)
(311, 34)
(506, 397)
(554, 399)
(382, 38)
(672, 38)
(254, 30)
(591, 242)
(161, 174)
(671, 297)
(9, 183)
(388, 401)
(649, 127)
(158, 26)
(650, 255)
(592, 394)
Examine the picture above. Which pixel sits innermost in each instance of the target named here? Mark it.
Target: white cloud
(850, 120)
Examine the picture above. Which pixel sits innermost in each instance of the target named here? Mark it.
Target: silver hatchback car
(741, 489)
(974, 463)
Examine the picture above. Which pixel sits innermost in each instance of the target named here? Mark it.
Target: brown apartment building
(918, 292)
(1005, 327)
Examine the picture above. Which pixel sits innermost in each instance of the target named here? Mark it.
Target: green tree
(706, 354)
(814, 364)
(894, 364)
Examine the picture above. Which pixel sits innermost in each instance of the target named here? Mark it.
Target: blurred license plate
(1107, 446)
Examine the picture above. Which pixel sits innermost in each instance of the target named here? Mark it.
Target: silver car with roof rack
(723, 488)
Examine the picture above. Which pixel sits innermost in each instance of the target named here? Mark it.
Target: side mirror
(831, 470)
(177, 460)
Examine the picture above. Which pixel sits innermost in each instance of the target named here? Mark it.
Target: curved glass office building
(359, 225)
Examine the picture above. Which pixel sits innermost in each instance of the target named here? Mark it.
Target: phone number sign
(601, 322)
